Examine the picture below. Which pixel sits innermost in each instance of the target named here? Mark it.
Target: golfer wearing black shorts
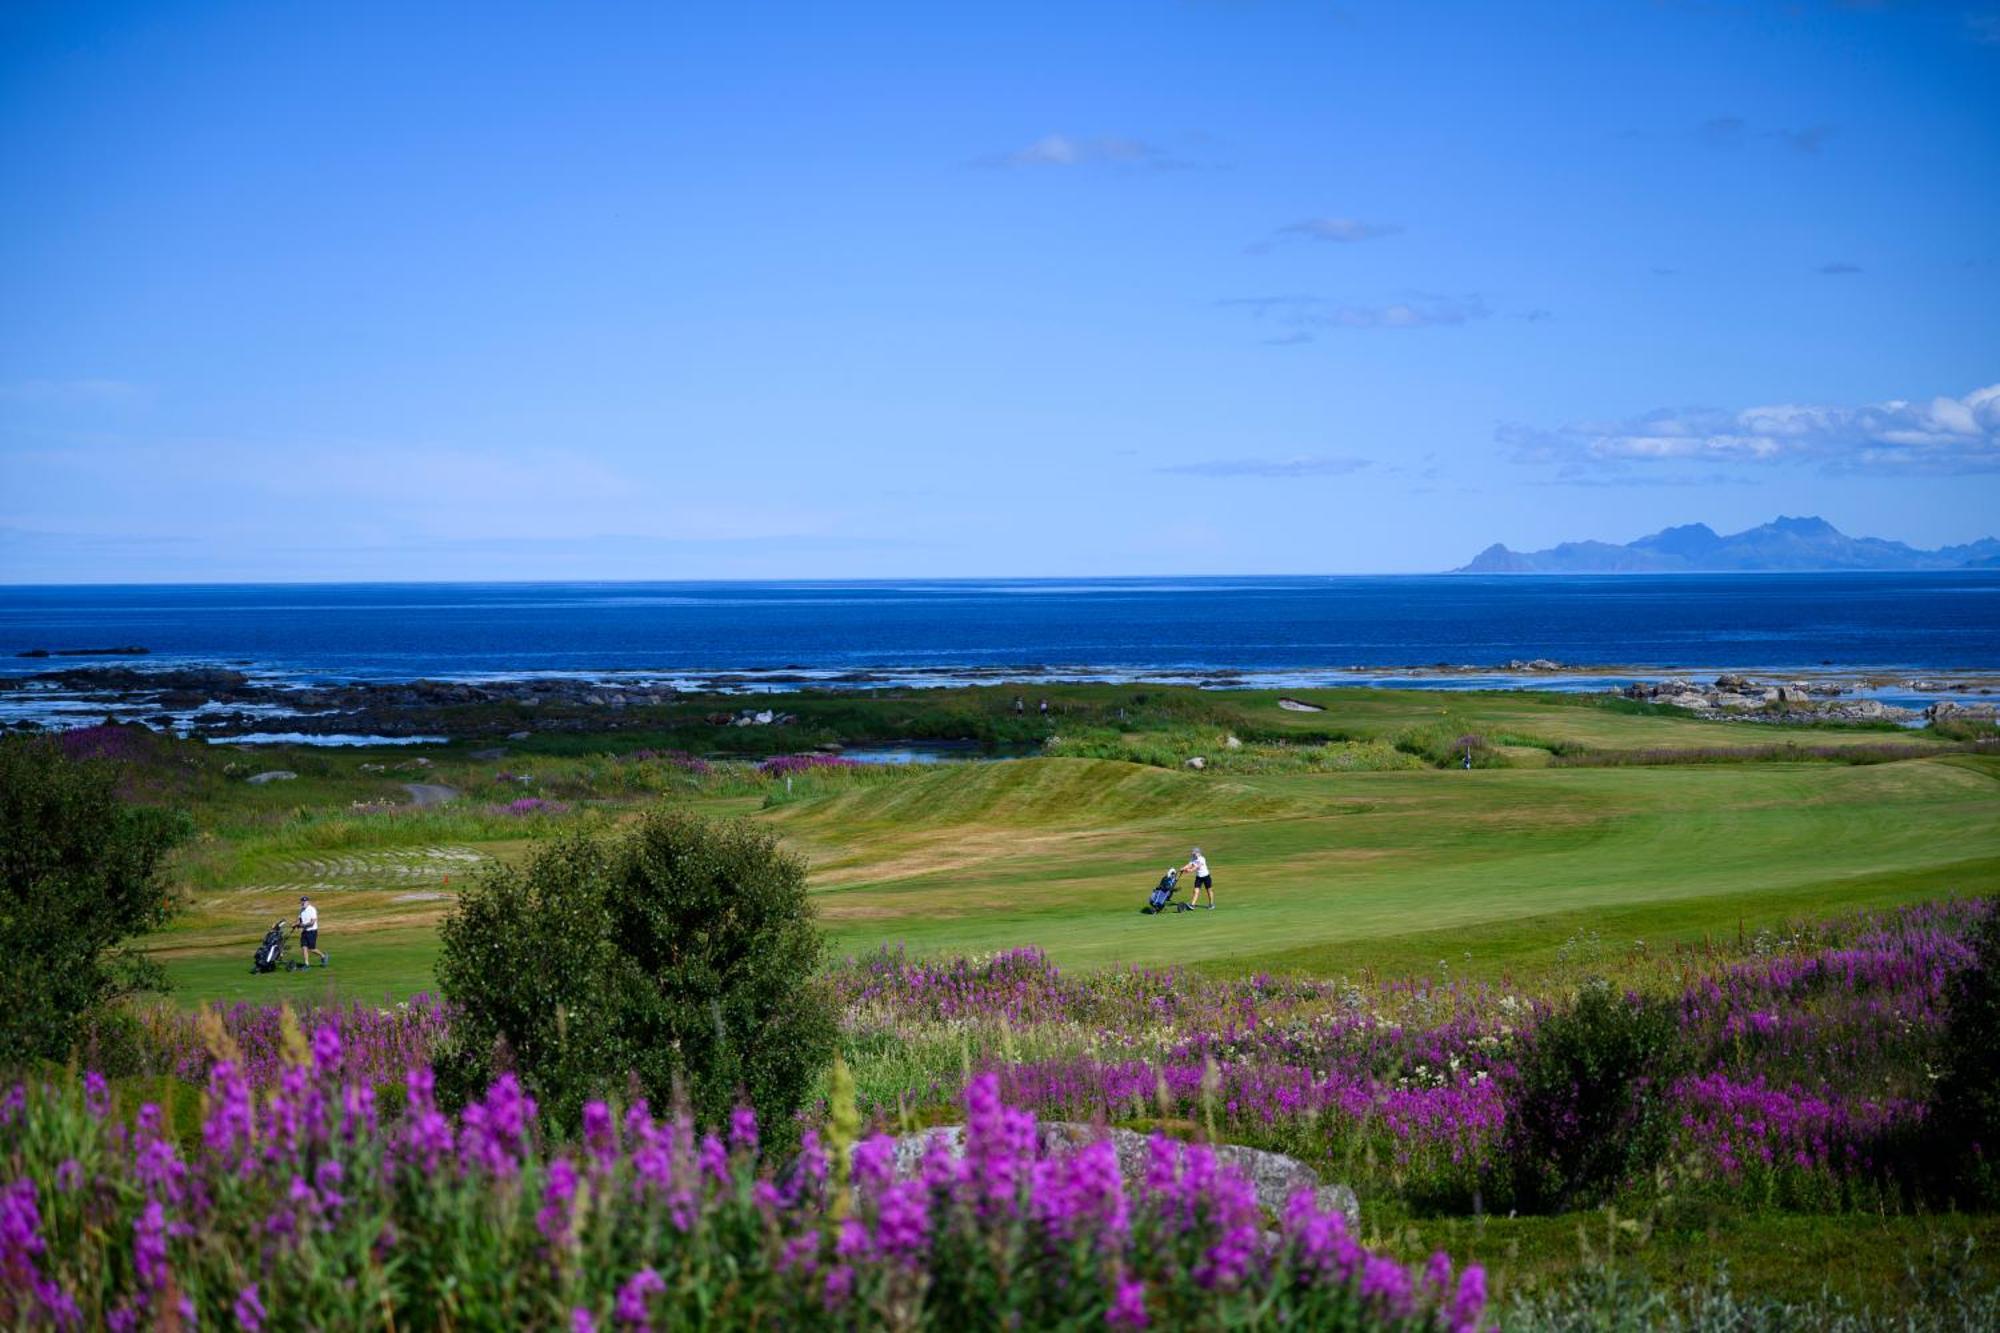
(1198, 866)
(309, 931)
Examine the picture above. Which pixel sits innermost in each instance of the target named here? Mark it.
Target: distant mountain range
(1786, 545)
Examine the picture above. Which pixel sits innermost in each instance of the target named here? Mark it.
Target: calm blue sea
(932, 630)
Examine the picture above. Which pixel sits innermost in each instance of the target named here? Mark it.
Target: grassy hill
(1319, 868)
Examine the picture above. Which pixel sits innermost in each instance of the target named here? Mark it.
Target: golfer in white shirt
(309, 930)
(1198, 867)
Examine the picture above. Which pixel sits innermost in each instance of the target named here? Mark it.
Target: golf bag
(270, 955)
(1162, 897)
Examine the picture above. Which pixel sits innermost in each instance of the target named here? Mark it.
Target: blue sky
(1243, 286)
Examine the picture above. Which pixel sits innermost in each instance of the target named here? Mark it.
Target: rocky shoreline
(221, 702)
(1731, 695)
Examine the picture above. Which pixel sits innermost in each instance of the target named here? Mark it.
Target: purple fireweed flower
(149, 1246)
(558, 1197)
(69, 1175)
(326, 1048)
(1128, 1305)
(20, 1232)
(838, 1287)
(1386, 1284)
(636, 1294)
(743, 1129)
(327, 1179)
(493, 1133)
(902, 1220)
(249, 1310)
(582, 1321)
(1470, 1303)
(801, 1253)
(812, 1166)
(784, 765)
(874, 1161)
(229, 1127)
(96, 1094)
(600, 1135)
(58, 1305)
(715, 1159)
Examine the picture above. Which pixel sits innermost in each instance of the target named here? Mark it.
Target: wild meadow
(1626, 1019)
(1789, 1077)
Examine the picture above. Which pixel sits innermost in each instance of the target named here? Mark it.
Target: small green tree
(680, 951)
(81, 873)
(1965, 1113)
(1589, 1107)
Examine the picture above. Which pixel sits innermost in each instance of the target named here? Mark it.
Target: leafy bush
(1589, 1108)
(680, 953)
(1967, 1107)
(80, 874)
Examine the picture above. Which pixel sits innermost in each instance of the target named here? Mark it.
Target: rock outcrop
(1274, 1176)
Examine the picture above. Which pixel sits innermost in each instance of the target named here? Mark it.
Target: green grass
(1338, 847)
(1322, 872)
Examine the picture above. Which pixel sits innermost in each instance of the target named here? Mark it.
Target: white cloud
(1943, 435)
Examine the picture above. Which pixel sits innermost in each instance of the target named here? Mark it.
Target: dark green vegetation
(679, 952)
(80, 875)
(1968, 1097)
(1589, 1088)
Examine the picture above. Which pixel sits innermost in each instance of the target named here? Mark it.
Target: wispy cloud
(1304, 466)
(1338, 231)
(1735, 132)
(1065, 150)
(1945, 435)
(1983, 27)
(1837, 269)
(1311, 314)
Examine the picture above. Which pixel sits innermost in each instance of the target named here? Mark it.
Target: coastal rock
(1231, 743)
(1274, 1176)
(1944, 711)
(270, 776)
(1197, 763)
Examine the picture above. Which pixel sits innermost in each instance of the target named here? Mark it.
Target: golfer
(1198, 867)
(309, 930)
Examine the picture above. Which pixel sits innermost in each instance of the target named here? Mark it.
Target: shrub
(1588, 1102)
(80, 874)
(680, 953)
(1967, 1106)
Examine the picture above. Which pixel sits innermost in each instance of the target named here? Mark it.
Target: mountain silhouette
(1788, 545)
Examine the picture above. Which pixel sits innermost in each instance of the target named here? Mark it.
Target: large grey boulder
(275, 775)
(1274, 1176)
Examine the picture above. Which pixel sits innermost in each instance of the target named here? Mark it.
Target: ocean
(1262, 630)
